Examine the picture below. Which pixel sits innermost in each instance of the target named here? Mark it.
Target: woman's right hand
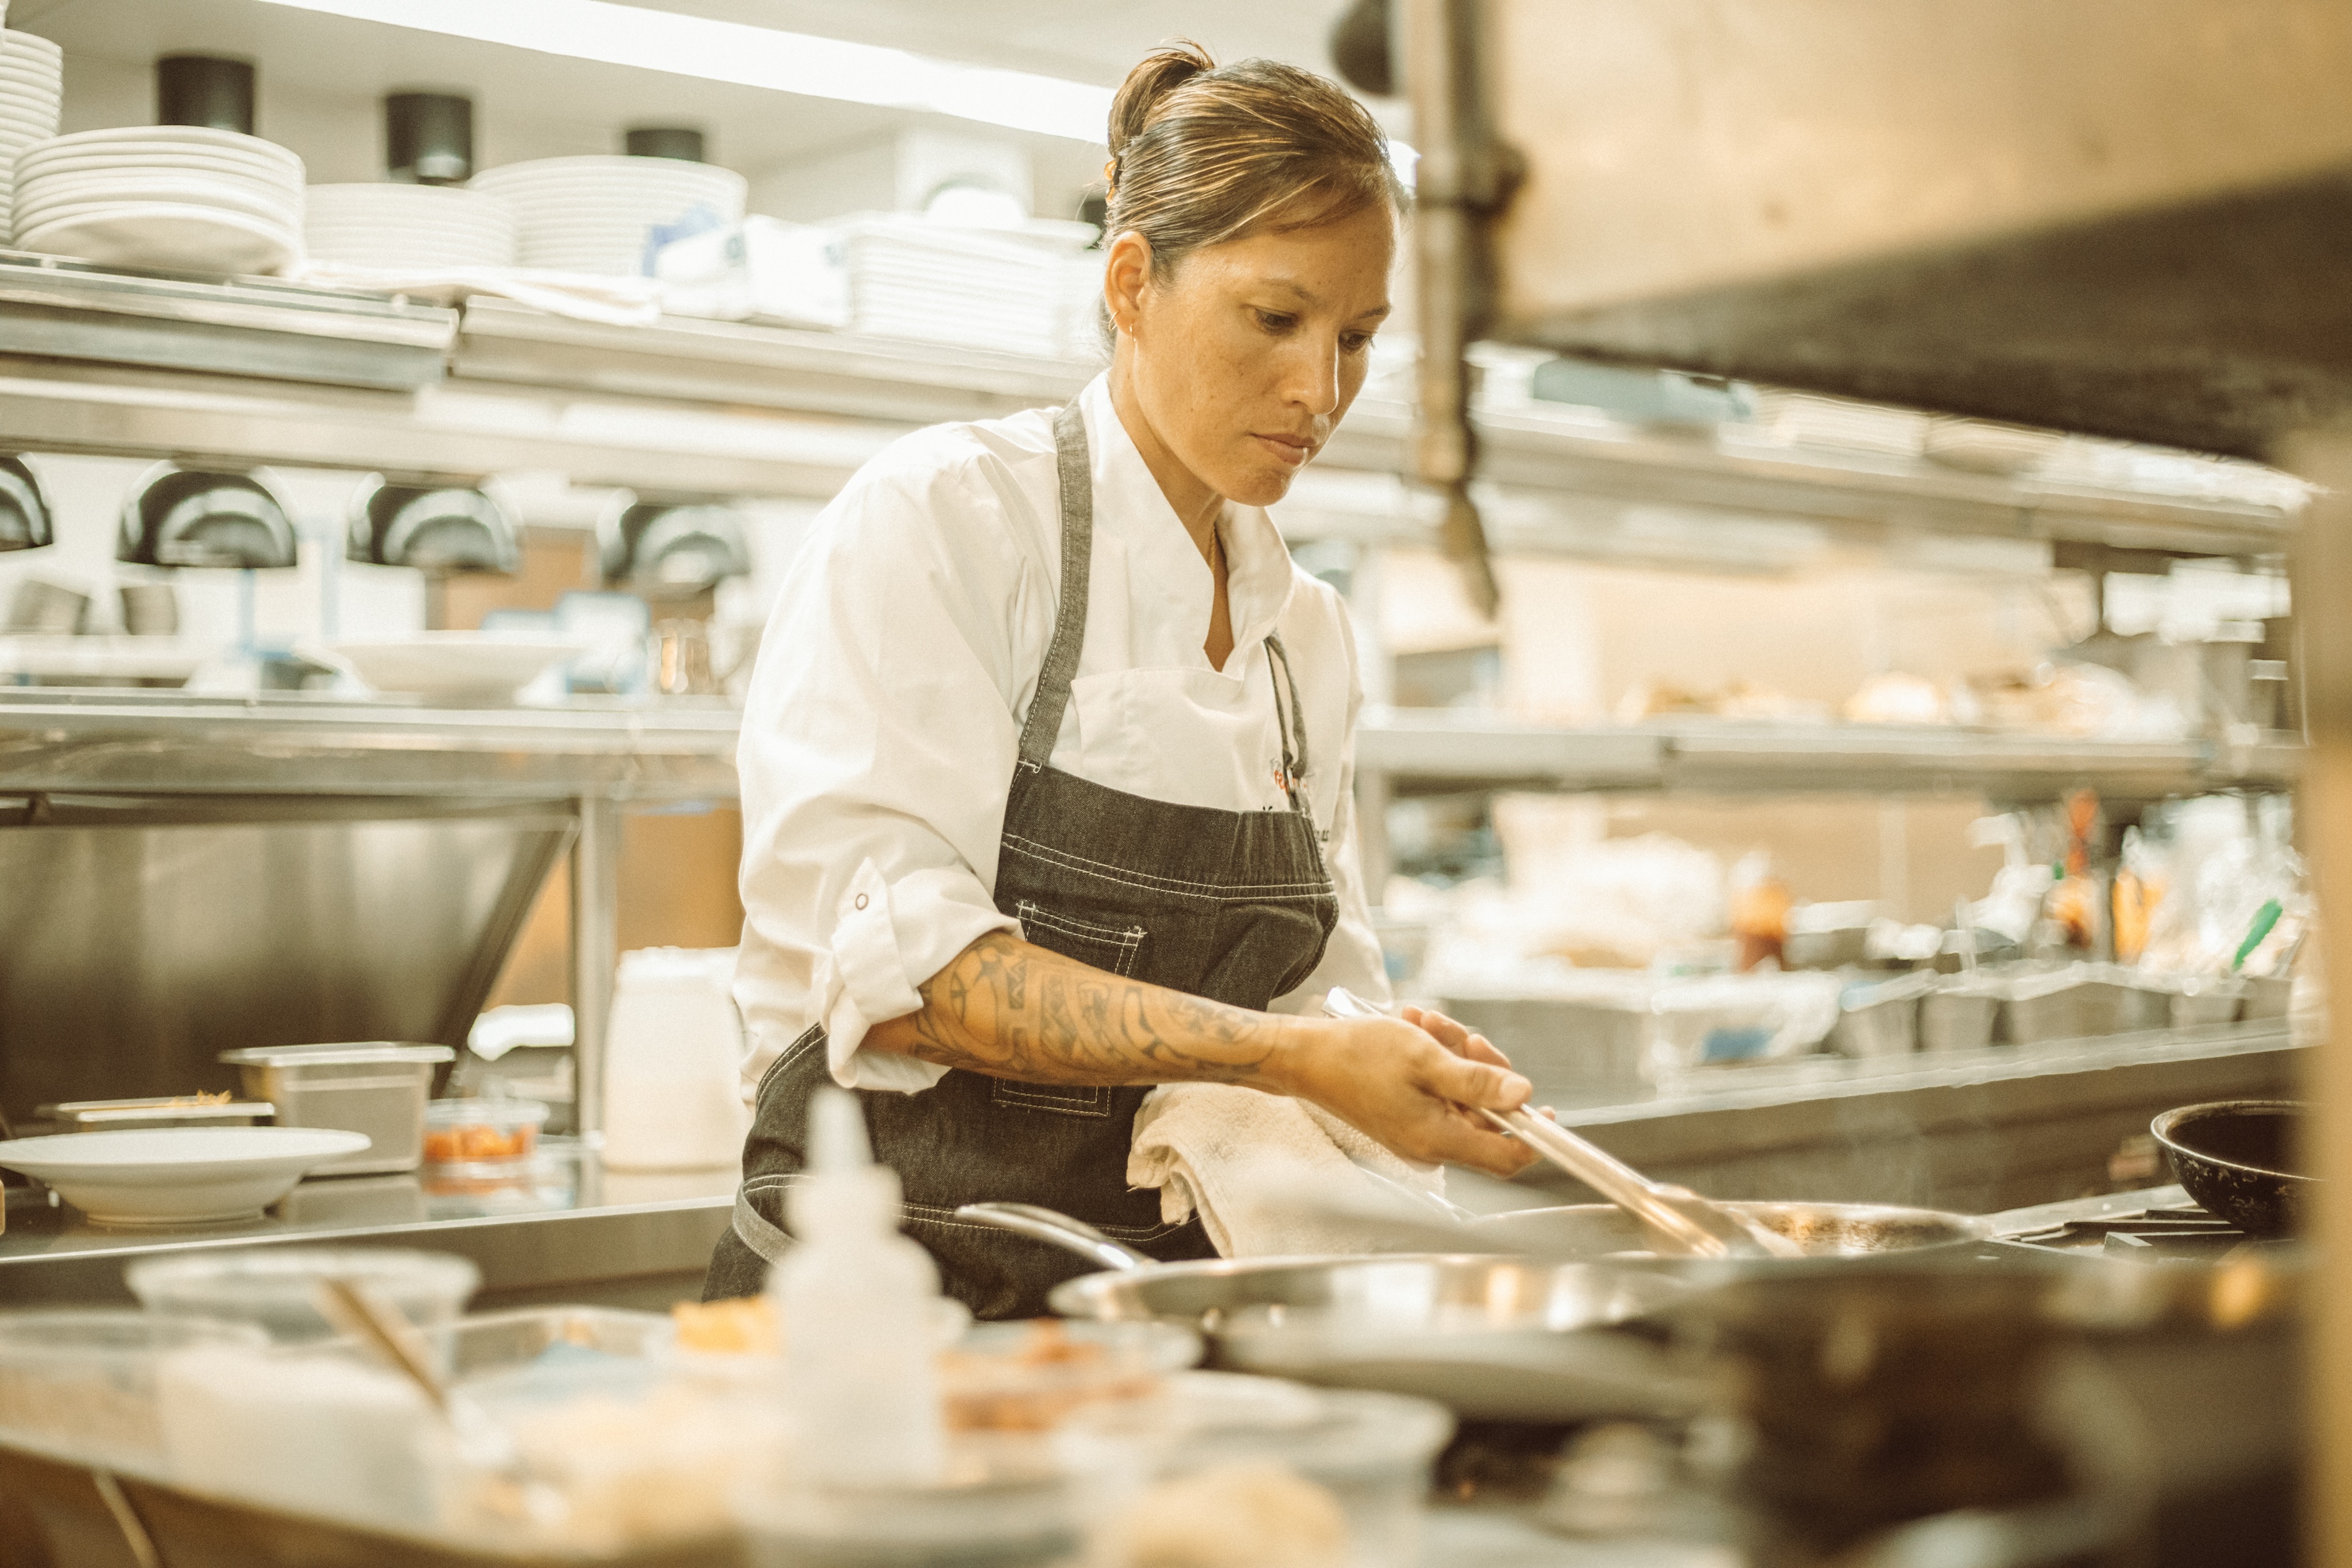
(1398, 1086)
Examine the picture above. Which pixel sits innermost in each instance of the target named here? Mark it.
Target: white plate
(58, 198)
(49, 158)
(33, 163)
(177, 1175)
(186, 139)
(477, 665)
(16, 38)
(188, 239)
(158, 185)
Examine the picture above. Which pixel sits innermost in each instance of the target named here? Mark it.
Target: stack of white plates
(30, 92)
(597, 214)
(174, 196)
(409, 226)
(986, 288)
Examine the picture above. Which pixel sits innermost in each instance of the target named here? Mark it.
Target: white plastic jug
(671, 1100)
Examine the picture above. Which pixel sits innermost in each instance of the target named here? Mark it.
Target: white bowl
(177, 1175)
(463, 665)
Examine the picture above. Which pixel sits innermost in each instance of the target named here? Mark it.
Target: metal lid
(101, 1112)
(346, 1052)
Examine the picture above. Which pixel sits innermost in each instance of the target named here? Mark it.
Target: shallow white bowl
(177, 1175)
(455, 665)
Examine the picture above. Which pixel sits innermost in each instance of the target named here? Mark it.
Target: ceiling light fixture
(753, 56)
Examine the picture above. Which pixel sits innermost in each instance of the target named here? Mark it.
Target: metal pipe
(596, 955)
(2323, 585)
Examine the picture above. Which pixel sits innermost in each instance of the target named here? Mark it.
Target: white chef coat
(884, 718)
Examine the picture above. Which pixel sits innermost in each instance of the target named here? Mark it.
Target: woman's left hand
(1457, 1038)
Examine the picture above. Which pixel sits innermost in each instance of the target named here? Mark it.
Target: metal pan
(1493, 1337)
(1588, 1231)
(2236, 1157)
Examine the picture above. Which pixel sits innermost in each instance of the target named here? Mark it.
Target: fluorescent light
(753, 56)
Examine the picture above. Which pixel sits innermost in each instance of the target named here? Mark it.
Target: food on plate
(1032, 1387)
(617, 1471)
(1740, 699)
(1894, 697)
(741, 1325)
(1235, 1516)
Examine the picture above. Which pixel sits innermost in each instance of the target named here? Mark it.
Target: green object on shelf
(2264, 919)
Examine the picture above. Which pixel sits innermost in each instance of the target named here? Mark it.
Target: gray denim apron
(1232, 905)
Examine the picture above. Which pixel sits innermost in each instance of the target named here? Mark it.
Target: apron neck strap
(1044, 724)
(1045, 709)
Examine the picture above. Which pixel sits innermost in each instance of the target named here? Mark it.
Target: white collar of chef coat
(1129, 504)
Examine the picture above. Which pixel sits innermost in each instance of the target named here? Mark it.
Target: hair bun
(1155, 75)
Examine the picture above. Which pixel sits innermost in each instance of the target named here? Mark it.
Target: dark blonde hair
(1202, 153)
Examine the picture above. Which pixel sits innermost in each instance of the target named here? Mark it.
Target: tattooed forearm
(1010, 1009)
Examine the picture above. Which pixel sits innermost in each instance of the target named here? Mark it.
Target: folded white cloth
(613, 301)
(1269, 1175)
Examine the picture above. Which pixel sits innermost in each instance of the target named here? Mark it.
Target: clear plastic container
(375, 1087)
(80, 1384)
(627, 1451)
(1299, 1460)
(275, 1286)
(1032, 1376)
(1005, 1502)
(490, 1134)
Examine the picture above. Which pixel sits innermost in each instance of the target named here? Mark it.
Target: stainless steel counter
(591, 758)
(1973, 1132)
(287, 744)
(571, 1230)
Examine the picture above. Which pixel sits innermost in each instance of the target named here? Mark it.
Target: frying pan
(1495, 1337)
(1823, 1229)
(2237, 1158)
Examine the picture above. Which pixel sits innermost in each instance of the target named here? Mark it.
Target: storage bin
(375, 1087)
(1957, 1015)
(1590, 1040)
(1878, 1018)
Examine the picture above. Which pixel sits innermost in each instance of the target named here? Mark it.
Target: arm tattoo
(1011, 1009)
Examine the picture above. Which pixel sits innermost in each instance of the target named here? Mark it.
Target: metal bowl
(2234, 1157)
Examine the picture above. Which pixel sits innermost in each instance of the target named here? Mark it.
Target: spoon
(1678, 1221)
(484, 1447)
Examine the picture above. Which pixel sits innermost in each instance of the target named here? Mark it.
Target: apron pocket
(1111, 947)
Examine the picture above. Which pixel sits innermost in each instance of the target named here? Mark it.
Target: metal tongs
(1679, 1222)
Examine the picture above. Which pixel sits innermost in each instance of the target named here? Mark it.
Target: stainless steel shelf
(1418, 755)
(241, 373)
(72, 311)
(294, 746)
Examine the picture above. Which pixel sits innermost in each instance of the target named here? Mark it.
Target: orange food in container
(487, 1132)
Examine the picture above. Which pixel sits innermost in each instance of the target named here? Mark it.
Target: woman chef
(1045, 764)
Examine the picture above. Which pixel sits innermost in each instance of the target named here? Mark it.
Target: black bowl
(2237, 1158)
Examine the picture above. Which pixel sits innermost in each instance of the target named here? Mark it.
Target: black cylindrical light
(205, 89)
(428, 138)
(677, 142)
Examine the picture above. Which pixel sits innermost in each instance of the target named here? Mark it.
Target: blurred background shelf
(103, 366)
(1442, 755)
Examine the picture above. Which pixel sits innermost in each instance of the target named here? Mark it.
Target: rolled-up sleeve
(879, 745)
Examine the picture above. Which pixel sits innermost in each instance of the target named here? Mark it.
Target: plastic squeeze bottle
(856, 1302)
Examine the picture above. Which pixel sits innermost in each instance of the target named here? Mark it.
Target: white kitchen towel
(1270, 1177)
(611, 301)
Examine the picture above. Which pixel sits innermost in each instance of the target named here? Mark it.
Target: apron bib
(1232, 905)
